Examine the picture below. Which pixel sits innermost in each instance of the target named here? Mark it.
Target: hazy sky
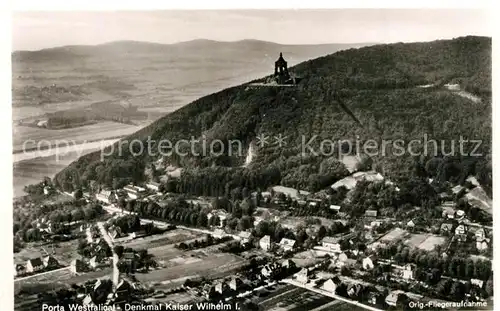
(33, 31)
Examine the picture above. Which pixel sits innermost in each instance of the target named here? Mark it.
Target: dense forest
(356, 95)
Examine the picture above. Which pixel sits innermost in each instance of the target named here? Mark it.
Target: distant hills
(372, 92)
(159, 74)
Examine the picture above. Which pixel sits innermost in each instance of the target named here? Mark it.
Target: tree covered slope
(371, 93)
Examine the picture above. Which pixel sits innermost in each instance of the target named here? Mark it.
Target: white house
(265, 243)
(34, 265)
(331, 243)
(368, 263)
(244, 236)
(460, 229)
(477, 282)
(153, 186)
(134, 192)
(480, 233)
(406, 272)
(329, 286)
(335, 208)
(105, 196)
(219, 233)
(219, 213)
(302, 276)
(287, 244)
(482, 244)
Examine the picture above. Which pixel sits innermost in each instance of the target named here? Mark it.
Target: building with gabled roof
(49, 262)
(244, 236)
(332, 244)
(77, 266)
(302, 276)
(330, 286)
(34, 265)
(265, 243)
(287, 244)
(371, 213)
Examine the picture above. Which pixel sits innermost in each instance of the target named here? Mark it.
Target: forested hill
(374, 92)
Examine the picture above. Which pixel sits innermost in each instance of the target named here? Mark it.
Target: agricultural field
(62, 278)
(64, 252)
(212, 266)
(156, 243)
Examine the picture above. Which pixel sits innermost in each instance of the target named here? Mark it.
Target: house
(302, 276)
(448, 208)
(222, 214)
(268, 270)
(392, 298)
(329, 286)
(77, 266)
(368, 263)
(114, 232)
(209, 291)
(460, 214)
(106, 196)
(244, 236)
(482, 244)
(354, 290)
(375, 298)
(331, 243)
(265, 243)
(219, 233)
(405, 272)
(477, 282)
(47, 190)
(34, 265)
(87, 301)
(335, 208)
(287, 244)
(50, 262)
(153, 186)
(19, 270)
(94, 262)
(98, 285)
(288, 264)
(410, 224)
(235, 284)
(342, 257)
(446, 228)
(460, 232)
(221, 288)
(457, 189)
(130, 258)
(371, 214)
(134, 192)
(480, 233)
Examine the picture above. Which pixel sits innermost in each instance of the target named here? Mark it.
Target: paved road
(108, 240)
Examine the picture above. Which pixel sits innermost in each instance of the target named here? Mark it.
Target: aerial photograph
(282, 160)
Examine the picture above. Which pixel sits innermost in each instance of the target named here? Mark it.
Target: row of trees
(433, 262)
